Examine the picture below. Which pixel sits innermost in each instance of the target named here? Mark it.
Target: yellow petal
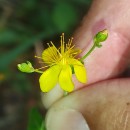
(49, 78)
(50, 55)
(80, 71)
(65, 80)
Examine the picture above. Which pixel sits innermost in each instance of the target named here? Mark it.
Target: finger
(110, 60)
(104, 106)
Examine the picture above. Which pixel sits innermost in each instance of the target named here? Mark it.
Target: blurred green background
(24, 26)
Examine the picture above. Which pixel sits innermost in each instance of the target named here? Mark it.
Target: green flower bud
(100, 37)
(26, 67)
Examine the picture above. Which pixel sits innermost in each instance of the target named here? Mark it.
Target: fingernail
(65, 119)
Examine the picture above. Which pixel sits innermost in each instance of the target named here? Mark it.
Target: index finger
(112, 59)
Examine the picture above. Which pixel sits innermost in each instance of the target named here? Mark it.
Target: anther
(48, 44)
(37, 57)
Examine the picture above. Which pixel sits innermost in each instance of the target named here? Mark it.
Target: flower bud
(100, 37)
(26, 67)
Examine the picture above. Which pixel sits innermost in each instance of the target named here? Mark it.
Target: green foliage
(7, 37)
(23, 23)
(36, 121)
(64, 16)
(21, 84)
(7, 58)
(31, 18)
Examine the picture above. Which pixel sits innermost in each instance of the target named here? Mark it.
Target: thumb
(104, 106)
(66, 119)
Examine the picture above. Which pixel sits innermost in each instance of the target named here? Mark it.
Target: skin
(104, 101)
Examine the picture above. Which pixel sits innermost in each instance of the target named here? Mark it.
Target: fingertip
(51, 97)
(65, 119)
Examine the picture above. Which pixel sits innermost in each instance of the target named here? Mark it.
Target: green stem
(88, 53)
(65, 93)
(38, 71)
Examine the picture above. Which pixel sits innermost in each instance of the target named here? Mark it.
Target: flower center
(63, 61)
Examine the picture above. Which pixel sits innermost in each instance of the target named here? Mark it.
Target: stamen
(38, 57)
(62, 44)
(48, 44)
(71, 47)
(45, 66)
(52, 54)
(42, 67)
(68, 41)
(55, 48)
(68, 45)
(41, 62)
(53, 51)
(71, 40)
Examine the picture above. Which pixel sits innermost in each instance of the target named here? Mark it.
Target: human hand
(104, 102)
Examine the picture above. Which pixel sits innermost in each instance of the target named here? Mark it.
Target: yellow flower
(62, 62)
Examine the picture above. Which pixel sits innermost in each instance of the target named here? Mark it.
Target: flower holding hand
(62, 63)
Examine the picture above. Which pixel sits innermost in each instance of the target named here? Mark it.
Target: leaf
(20, 83)
(36, 121)
(64, 16)
(8, 57)
(7, 36)
(30, 4)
